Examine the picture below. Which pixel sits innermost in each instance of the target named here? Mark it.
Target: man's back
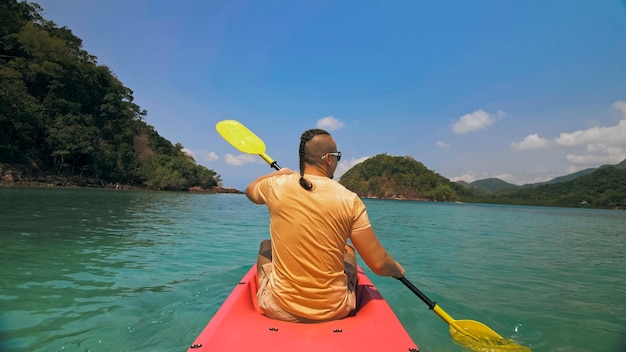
(309, 232)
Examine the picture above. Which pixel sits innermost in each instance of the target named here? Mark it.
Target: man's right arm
(374, 254)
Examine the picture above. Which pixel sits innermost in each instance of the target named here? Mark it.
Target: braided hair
(307, 136)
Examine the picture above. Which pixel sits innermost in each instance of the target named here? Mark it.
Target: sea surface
(107, 270)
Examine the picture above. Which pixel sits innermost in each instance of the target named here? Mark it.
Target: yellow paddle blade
(468, 333)
(240, 137)
(478, 337)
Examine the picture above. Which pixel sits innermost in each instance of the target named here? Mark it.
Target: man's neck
(315, 170)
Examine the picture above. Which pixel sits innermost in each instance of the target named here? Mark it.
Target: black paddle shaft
(274, 164)
(418, 293)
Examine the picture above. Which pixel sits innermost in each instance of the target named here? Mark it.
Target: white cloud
(442, 144)
(204, 155)
(604, 145)
(468, 177)
(329, 123)
(565, 153)
(241, 159)
(621, 106)
(614, 135)
(475, 121)
(347, 165)
(598, 154)
(211, 156)
(506, 177)
(532, 141)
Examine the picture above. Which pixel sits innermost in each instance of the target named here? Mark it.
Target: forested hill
(395, 177)
(65, 117)
(495, 185)
(398, 177)
(603, 188)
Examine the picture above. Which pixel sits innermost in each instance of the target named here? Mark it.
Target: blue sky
(520, 90)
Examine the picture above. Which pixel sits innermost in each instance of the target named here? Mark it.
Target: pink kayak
(239, 325)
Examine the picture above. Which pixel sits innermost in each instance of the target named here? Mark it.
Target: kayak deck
(239, 325)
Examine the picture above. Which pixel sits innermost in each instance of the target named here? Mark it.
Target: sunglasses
(337, 154)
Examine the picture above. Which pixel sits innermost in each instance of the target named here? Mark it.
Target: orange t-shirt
(309, 231)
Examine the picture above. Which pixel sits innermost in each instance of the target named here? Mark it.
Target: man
(307, 271)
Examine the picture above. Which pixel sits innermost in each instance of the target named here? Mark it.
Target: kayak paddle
(240, 137)
(469, 333)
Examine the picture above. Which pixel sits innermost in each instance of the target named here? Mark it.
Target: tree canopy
(62, 113)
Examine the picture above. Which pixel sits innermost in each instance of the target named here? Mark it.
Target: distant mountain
(603, 188)
(621, 165)
(560, 179)
(565, 178)
(494, 185)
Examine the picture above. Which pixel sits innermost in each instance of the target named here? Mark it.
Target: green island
(67, 121)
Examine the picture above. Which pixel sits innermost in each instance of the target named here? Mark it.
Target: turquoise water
(103, 270)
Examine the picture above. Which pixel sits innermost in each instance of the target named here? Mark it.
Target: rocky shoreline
(13, 178)
(85, 183)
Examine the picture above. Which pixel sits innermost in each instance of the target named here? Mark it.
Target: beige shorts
(274, 311)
